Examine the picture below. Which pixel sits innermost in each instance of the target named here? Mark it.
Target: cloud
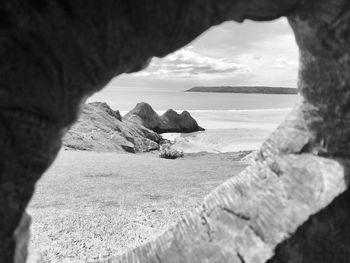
(250, 53)
(187, 62)
(282, 63)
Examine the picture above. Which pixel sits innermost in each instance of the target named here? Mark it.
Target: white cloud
(229, 54)
(283, 63)
(187, 63)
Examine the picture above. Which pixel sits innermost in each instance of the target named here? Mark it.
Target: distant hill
(245, 89)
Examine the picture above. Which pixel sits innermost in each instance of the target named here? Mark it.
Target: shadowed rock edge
(56, 53)
(248, 216)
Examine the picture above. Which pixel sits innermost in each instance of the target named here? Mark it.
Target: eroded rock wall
(55, 53)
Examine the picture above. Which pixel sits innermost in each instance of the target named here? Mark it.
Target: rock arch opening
(51, 61)
(101, 203)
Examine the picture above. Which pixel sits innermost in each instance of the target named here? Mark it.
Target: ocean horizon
(232, 122)
(161, 99)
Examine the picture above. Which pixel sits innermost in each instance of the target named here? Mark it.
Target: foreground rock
(170, 121)
(288, 206)
(99, 128)
(43, 81)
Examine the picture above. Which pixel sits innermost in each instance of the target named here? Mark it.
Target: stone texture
(101, 129)
(247, 217)
(324, 238)
(321, 30)
(106, 108)
(143, 114)
(55, 53)
(170, 121)
(22, 236)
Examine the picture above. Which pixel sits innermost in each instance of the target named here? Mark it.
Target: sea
(232, 122)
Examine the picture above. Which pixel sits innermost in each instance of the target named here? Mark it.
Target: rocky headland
(102, 129)
(245, 89)
(170, 121)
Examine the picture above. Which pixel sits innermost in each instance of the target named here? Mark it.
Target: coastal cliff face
(99, 128)
(143, 114)
(170, 121)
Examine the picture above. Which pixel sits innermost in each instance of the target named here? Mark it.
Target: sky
(249, 53)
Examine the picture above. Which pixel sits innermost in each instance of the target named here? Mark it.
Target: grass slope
(92, 205)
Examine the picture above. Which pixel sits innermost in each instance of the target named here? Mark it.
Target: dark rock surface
(245, 89)
(99, 128)
(170, 121)
(56, 53)
(144, 114)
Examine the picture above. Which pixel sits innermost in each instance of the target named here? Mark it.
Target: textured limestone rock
(99, 128)
(170, 121)
(250, 158)
(55, 53)
(22, 237)
(106, 108)
(252, 214)
(143, 114)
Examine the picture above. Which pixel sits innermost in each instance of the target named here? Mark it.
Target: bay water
(232, 122)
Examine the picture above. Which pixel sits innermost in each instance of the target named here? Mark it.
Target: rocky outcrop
(283, 208)
(104, 106)
(170, 121)
(102, 129)
(144, 114)
(99, 128)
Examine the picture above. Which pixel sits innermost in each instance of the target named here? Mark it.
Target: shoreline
(237, 155)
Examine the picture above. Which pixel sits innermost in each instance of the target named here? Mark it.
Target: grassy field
(94, 205)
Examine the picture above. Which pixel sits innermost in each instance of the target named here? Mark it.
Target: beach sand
(229, 130)
(92, 205)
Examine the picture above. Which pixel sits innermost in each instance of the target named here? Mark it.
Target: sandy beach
(92, 205)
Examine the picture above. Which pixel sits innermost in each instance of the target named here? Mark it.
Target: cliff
(245, 89)
(170, 121)
(99, 128)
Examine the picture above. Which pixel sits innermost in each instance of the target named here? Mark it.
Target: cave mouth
(100, 201)
(52, 61)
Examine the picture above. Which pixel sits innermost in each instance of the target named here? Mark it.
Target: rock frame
(290, 205)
